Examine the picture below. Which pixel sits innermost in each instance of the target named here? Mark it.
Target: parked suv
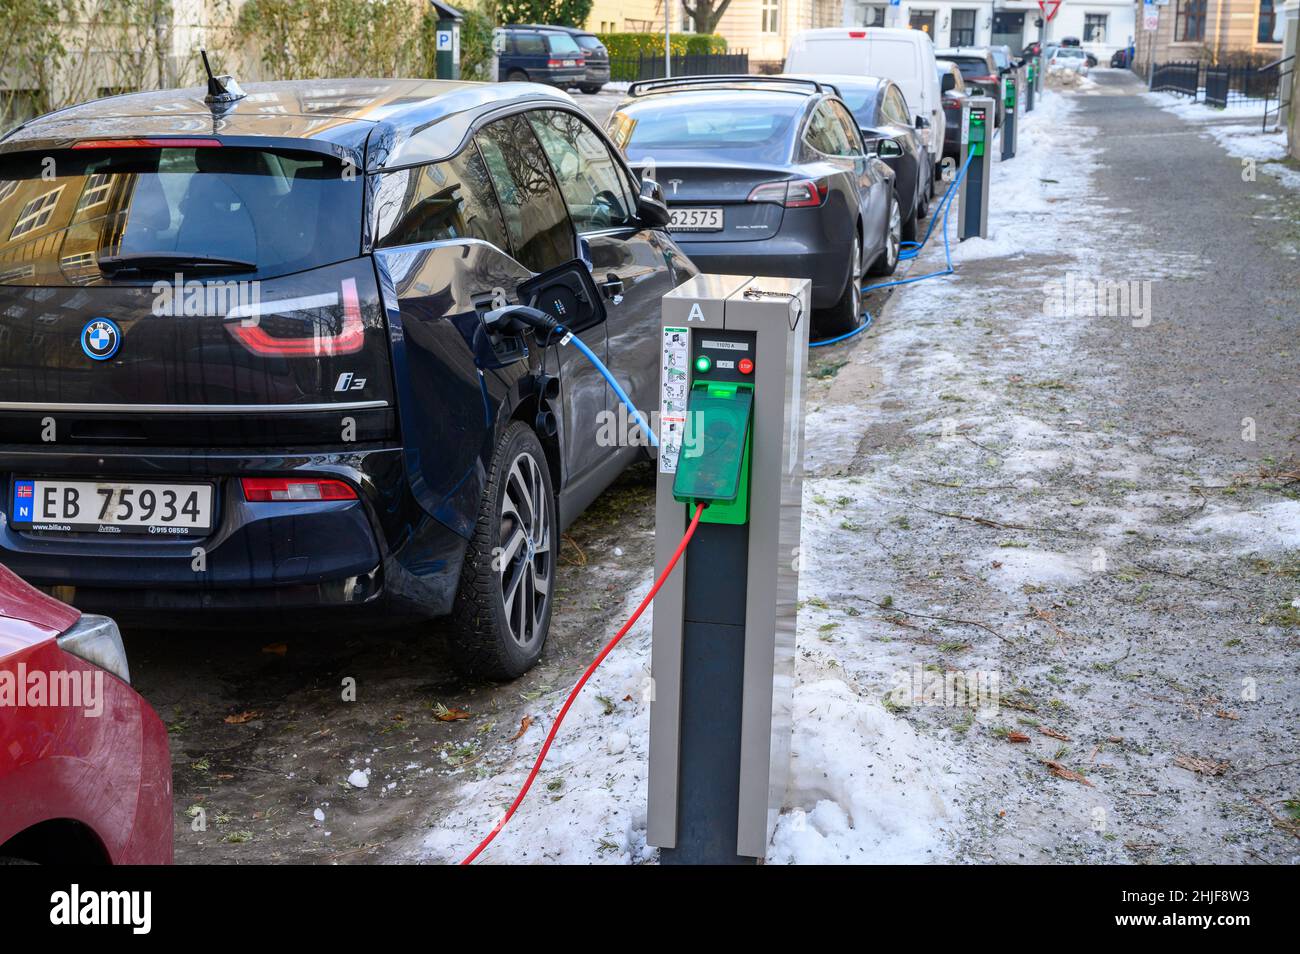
(243, 364)
(594, 52)
(539, 55)
(980, 70)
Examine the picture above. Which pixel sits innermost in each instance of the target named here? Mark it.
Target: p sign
(444, 41)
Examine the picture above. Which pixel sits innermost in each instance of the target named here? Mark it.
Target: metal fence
(1219, 86)
(629, 69)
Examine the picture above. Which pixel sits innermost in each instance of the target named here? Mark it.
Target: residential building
(1102, 26)
(1213, 31)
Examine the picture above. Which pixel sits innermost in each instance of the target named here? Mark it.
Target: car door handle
(612, 286)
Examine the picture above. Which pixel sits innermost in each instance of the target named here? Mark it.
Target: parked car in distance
(953, 85)
(884, 120)
(331, 426)
(539, 55)
(904, 56)
(596, 57)
(1069, 58)
(1119, 59)
(85, 772)
(767, 175)
(980, 70)
(1003, 57)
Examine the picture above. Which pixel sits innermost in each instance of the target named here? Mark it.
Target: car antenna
(222, 90)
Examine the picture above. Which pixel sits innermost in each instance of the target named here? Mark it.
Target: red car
(85, 772)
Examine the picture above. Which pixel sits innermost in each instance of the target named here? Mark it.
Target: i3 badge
(100, 339)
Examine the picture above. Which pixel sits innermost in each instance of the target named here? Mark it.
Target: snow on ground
(1245, 139)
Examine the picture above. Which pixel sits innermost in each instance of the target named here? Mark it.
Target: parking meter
(1010, 91)
(976, 138)
(447, 41)
(732, 361)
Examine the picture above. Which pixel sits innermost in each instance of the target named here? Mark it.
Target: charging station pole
(1010, 95)
(1030, 84)
(973, 200)
(734, 350)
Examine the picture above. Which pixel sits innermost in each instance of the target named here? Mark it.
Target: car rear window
(590, 44)
(61, 213)
(711, 126)
(562, 44)
(971, 66)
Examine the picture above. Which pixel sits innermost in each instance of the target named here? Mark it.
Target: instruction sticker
(672, 397)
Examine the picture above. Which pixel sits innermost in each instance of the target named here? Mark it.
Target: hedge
(631, 45)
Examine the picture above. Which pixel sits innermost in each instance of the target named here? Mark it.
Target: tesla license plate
(695, 220)
(93, 506)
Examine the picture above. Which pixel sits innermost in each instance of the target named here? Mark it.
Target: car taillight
(985, 79)
(268, 489)
(161, 142)
(793, 193)
(858, 34)
(950, 104)
(348, 339)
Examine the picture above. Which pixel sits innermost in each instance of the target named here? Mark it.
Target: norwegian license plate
(695, 220)
(570, 62)
(111, 506)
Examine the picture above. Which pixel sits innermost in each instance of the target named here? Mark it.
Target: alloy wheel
(525, 561)
(894, 240)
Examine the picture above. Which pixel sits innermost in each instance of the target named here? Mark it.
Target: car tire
(845, 314)
(590, 89)
(886, 262)
(909, 227)
(499, 630)
(923, 201)
(516, 76)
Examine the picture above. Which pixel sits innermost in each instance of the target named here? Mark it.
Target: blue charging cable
(570, 338)
(914, 249)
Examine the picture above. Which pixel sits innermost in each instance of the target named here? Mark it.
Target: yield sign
(1049, 8)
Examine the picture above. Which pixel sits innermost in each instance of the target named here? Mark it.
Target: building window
(1267, 22)
(963, 28)
(36, 213)
(1189, 21)
(771, 15)
(922, 20)
(1094, 27)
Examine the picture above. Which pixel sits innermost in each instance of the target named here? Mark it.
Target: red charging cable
(573, 694)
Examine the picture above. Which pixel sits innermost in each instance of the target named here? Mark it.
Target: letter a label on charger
(672, 397)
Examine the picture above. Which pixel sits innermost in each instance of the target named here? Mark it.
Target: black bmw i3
(244, 366)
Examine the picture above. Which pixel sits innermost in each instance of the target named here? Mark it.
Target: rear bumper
(597, 74)
(380, 552)
(788, 254)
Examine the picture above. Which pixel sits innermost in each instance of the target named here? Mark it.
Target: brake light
(256, 339)
(792, 193)
(156, 143)
(270, 489)
(857, 34)
(985, 79)
(951, 104)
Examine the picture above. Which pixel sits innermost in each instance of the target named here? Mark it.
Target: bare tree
(705, 14)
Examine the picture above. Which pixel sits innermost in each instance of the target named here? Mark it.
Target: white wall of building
(948, 19)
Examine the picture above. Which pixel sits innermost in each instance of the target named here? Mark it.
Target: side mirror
(922, 122)
(948, 84)
(888, 148)
(568, 294)
(651, 208)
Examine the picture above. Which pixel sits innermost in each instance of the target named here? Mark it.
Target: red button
(746, 366)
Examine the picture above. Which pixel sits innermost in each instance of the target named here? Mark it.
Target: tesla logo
(349, 382)
(674, 183)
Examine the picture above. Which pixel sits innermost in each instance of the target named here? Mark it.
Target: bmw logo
(100, 339)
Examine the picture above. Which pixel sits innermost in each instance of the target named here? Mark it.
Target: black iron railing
(629, 69)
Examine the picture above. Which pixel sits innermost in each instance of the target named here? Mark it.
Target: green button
(703, 363)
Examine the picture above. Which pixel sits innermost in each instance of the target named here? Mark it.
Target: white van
(904, 56)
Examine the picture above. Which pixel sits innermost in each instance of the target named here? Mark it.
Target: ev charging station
(734, 350)
(1031, 81)
(1010, 97)
(976, 134)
